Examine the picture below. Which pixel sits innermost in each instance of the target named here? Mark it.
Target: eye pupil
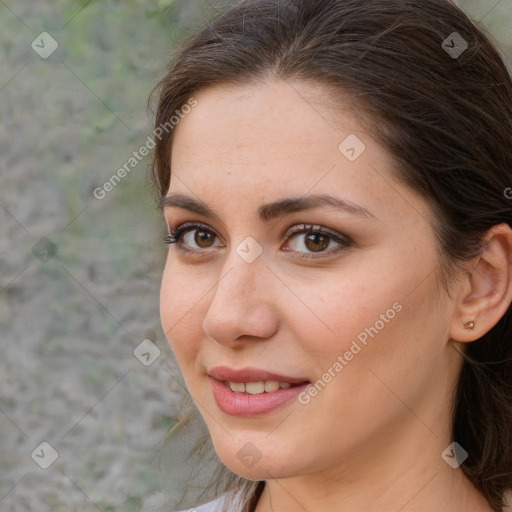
(317, 238)
(203, 237)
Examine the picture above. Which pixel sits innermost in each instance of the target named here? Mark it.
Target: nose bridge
(241, 304)
(244, 271)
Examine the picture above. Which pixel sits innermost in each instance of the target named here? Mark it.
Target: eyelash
(176, 238)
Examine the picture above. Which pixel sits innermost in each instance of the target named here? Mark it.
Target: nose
(243, 307)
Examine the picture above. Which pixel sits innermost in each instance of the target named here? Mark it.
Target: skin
(372, 438)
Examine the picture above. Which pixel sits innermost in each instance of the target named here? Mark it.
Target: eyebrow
(272, 210)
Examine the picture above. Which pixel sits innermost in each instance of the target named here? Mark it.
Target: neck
(412, 478)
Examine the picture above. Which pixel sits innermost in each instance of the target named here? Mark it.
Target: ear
(486, 292)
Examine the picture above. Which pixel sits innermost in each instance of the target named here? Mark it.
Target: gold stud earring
(469, 325)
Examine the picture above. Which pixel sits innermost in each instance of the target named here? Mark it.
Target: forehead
(278, 139)
(279, 115)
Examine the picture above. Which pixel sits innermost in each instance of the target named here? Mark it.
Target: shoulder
(216, 505)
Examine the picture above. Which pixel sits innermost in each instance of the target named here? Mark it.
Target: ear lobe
(486, 292)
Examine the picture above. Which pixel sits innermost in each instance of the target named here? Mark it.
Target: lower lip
(244, 404)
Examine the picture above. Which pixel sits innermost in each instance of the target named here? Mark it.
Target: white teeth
(237, 386)
(257, 388)
(271, 385)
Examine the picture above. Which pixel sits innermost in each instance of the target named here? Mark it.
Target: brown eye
(192, 237)
(203, 238)
(316, 242)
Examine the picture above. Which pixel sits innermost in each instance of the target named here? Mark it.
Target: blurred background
(88, 386)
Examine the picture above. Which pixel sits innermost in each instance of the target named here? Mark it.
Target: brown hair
(446, 119)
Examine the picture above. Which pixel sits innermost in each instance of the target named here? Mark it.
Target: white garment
(212, 506)
(216, 505)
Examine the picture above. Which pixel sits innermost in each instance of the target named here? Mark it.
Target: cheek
(346, 304)
(386, 347)
(180, 315)
(377, 316)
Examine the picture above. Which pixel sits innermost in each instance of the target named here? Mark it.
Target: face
(333, 298)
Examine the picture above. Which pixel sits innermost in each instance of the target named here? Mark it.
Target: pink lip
(244, 404)
(250, 375)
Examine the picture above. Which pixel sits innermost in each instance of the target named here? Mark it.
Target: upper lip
(250, 375)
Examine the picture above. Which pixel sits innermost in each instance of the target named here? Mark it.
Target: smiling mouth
(246, 397)
(259, 387)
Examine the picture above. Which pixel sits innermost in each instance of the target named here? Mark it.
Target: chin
(243, 457)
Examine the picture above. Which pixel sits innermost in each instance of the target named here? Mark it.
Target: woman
(338, 285)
